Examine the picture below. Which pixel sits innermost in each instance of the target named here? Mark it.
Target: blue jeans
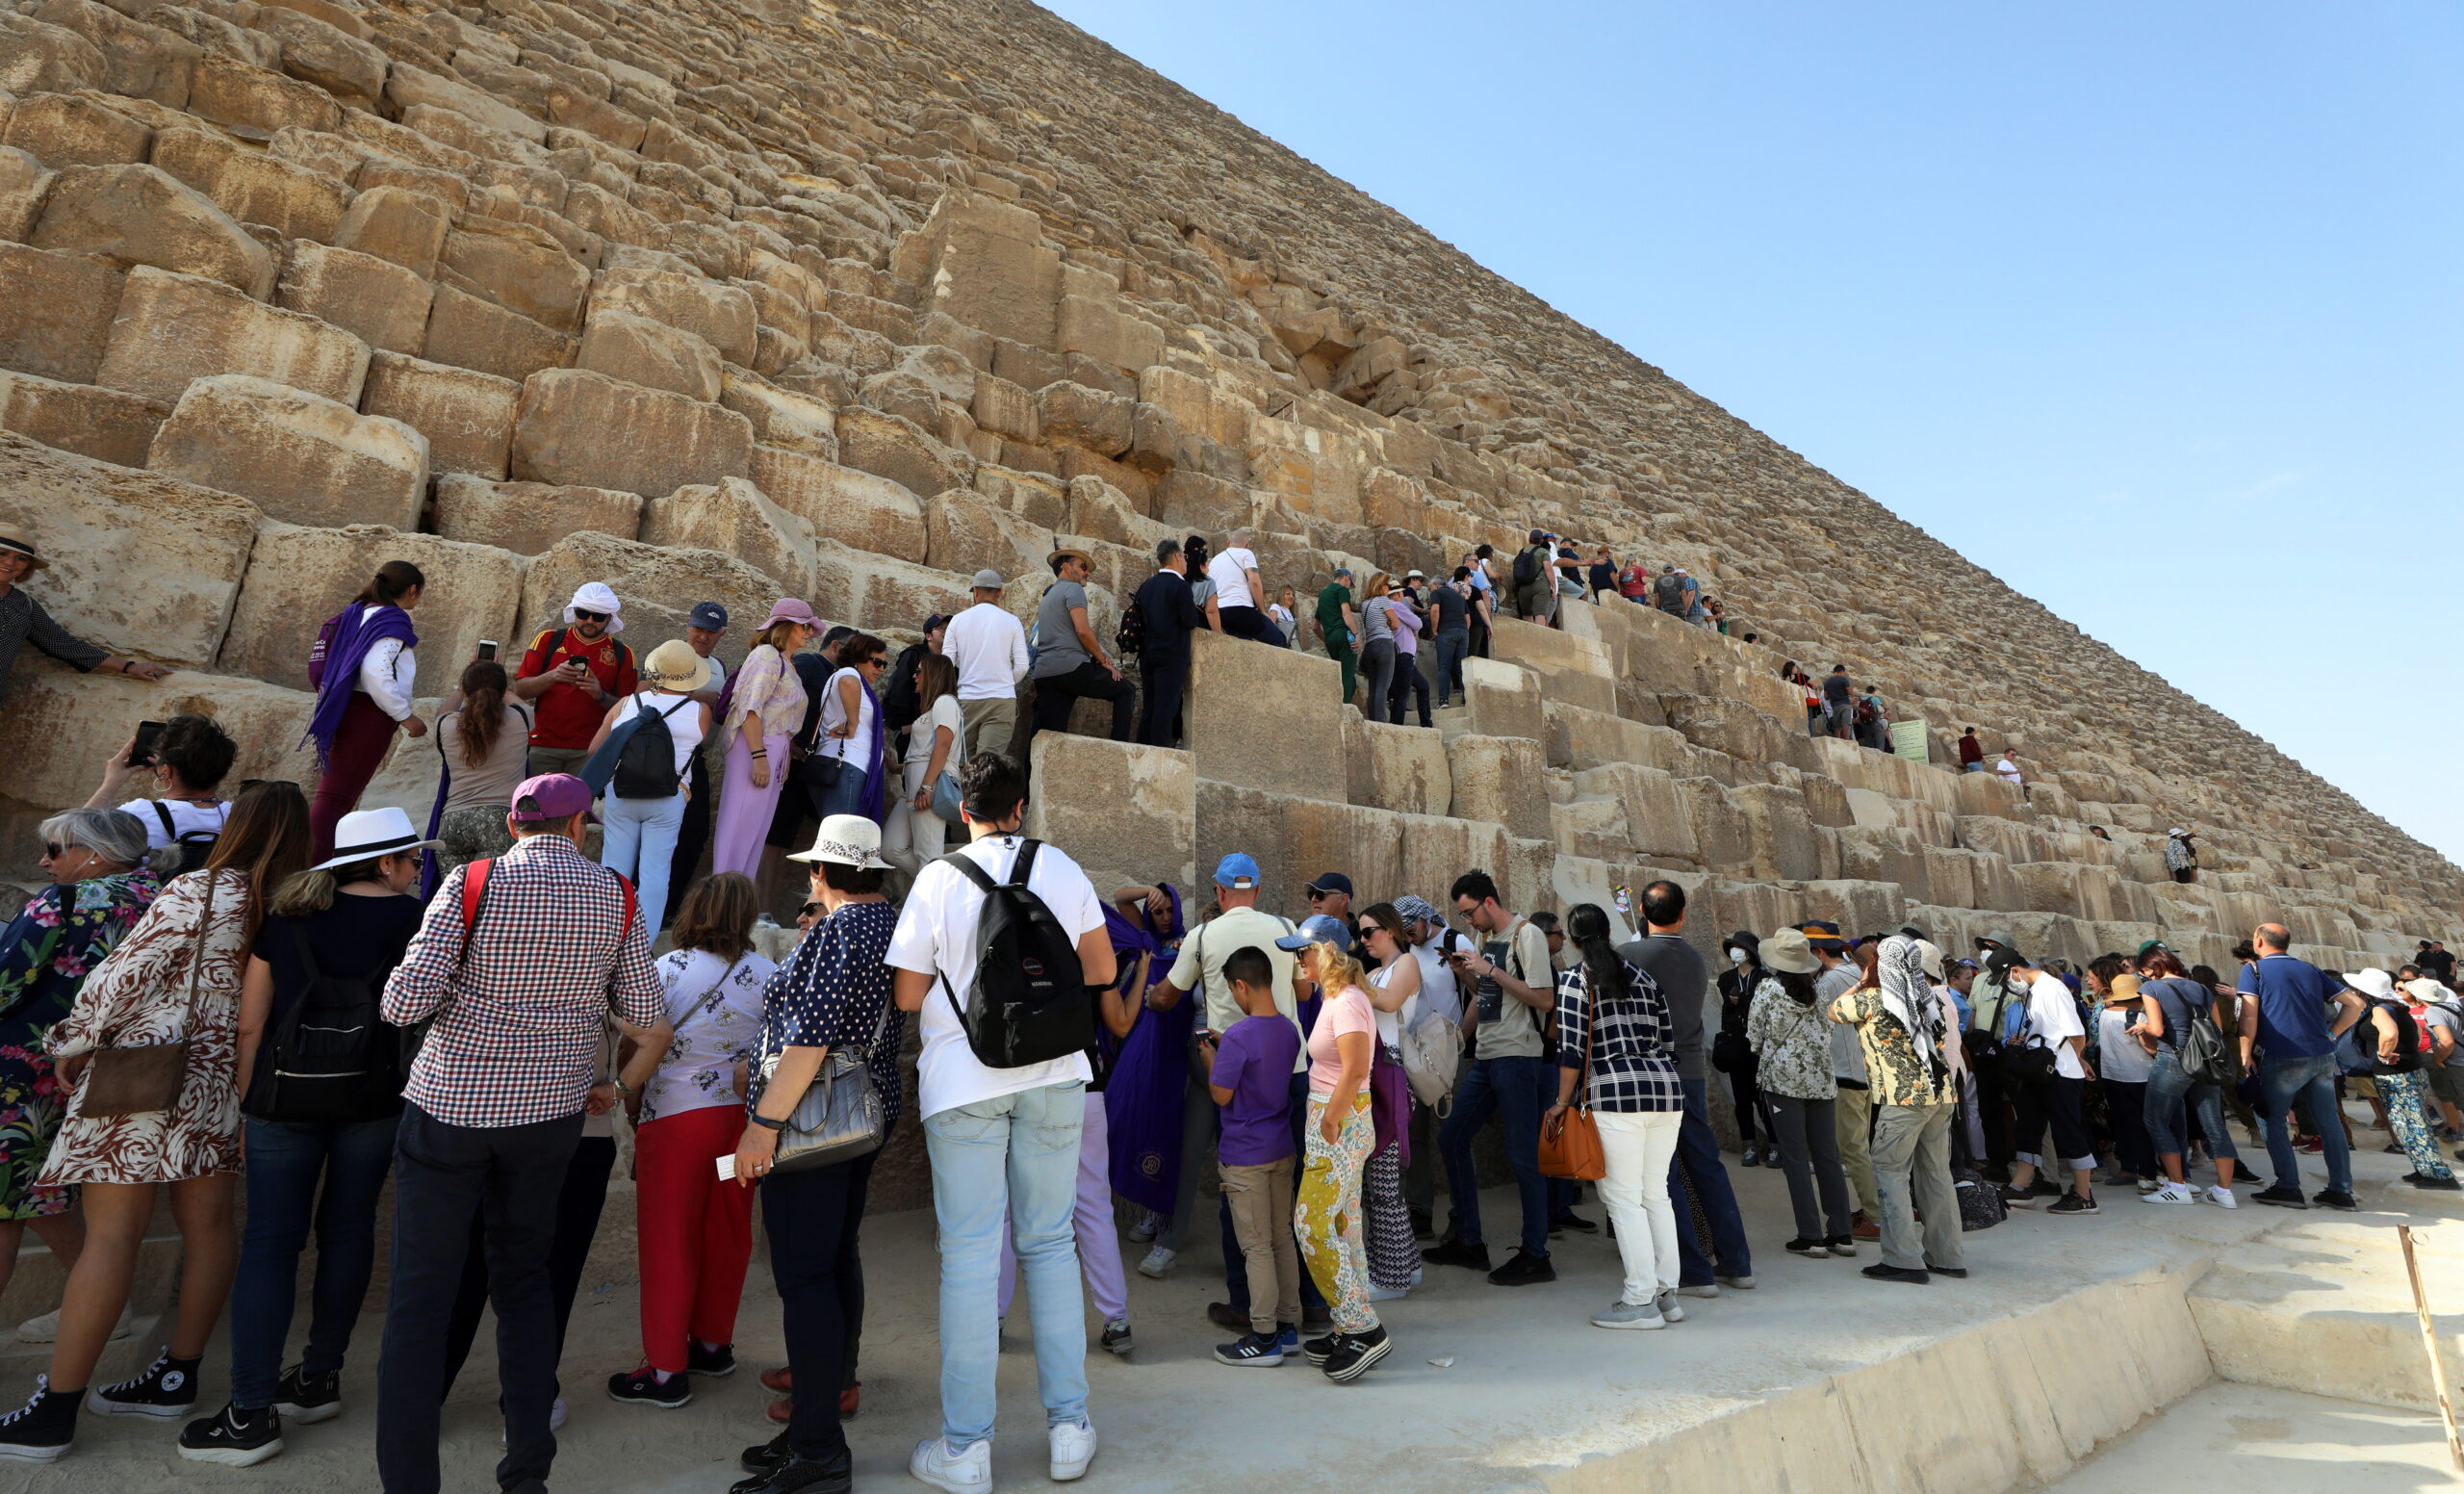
(287, 1160)
(1452, 648)
(639, 843)
(2168, 1087)
(1014, 1157)
(2279, 1081)
(1697, 1175)
(847, 795)
(1515, 1090)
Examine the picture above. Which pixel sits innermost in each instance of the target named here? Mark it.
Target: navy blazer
(1171, 616)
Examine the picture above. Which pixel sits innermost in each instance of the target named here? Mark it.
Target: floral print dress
(44, 957)
(715, 1006)
(140, 995)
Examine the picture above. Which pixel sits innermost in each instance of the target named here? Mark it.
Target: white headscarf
(597, 597)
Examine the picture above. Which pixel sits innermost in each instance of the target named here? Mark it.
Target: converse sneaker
(2170, 1192)
(1158, 1263)
(645, 1388)
(2074, 1203)
(233, 1437)
(47, 1328)
(167, 1388)
(1356, 1353)
(1073, 1448)
(305, 1397)
(952, 1470)
(1622, 1314)
(1669, 1309)
(1251, 1350)
(43, 1429)
(2222, 1198)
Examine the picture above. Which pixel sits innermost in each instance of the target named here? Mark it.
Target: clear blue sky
(2154, 311)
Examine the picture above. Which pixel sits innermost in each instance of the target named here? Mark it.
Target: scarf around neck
(359, 628)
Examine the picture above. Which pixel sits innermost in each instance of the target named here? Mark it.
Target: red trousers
(359, 749)
(695, 1232)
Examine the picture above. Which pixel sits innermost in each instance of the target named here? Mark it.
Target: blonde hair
(1336, 970)
(1379, 585)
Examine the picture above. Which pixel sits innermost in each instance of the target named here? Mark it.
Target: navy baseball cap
(1238, 871)
(708, 614)
(1332, 882)
(1318, 929)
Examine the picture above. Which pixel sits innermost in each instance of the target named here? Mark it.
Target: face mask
(1737, 956)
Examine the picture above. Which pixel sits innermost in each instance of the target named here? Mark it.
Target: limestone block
(1074, 415)
(140, 215)
(1191, 500)
(91, 421)
(592, 430)
(1783, 835)
(140, 564)
(316, 51)
(60, 724)
(300, 575)
(62, 129)
(529, 517)
(1042, 501)
(1721, 838)
(385, 304)
(1504, 699)
(1996, 886)
(1102, 511)
(1294, 748)
(232, 92)
(172, 328)
(1101, 329)
(302, 458)
(1590, 827)
(1145, 799)
(1858, 907)
(993, 276)
(520, 267)
(40, 57)
(1581, 737)
(1196, 407)
(650, 353)
(721, 315)
(891, 447)
(1659, 815)
(659, 585)
(879, 594)
(139, 61)
(213, 35)
(785, 419)
(1827, 801)
(469, 332)
(1406, 769)
(57, 317)
(1737, 730)
(24, 184)
(573, 109)
(1985, 794)
(1951, 876)
(1886, 854)
(397, 224)
(733, 518)
(253, 187)
(2013, 839)
(855, 508)
(407, 86)
(965, 535)
(466, 415)
(1500, 779)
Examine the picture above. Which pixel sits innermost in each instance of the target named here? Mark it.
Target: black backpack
(646, 764)
(1527, 565)
(1130, 637)
(196, 845)
(1028, 1002)
(335, 1057)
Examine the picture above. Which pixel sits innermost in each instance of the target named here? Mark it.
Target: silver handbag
(840, 1117)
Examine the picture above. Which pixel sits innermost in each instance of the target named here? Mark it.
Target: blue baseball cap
(708, 614)
(1238, 871)
(1332, 882)
(1318, 929)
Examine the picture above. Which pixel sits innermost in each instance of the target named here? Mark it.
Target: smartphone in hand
(149, 736)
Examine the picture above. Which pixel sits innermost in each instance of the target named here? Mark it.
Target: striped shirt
(1633, 1068)
(23, 621)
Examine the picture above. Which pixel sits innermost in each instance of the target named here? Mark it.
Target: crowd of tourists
(283, 993)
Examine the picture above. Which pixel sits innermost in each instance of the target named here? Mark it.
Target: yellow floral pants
(1326, 1216)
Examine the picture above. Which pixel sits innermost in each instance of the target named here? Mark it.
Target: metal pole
(2429, 1341)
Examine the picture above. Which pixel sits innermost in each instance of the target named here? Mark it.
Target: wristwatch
(765, 1121)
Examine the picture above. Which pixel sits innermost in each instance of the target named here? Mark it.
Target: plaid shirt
(1633, 1069)
(521, 1020)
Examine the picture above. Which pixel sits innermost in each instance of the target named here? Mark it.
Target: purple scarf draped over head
(1150, 1068)
(359, 628)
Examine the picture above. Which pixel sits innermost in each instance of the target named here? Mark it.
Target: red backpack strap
(474, 891)
(633, 906)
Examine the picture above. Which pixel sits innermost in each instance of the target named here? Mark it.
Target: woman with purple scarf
(852, 731)
(363, 669)
(1150, 1066)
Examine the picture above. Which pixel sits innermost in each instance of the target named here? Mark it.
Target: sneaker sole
(660, 1406)
(308, 1415)
(99, 1406)
(19, 1452)
(1643, 1325)
(1261, 1363)
(1123, 1350)
(234, 1457)
(1361, 1365)
(1070, 1473)
(2074, 1213)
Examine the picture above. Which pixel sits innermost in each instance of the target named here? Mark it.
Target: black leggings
(2054, 1102)
(812, 1218)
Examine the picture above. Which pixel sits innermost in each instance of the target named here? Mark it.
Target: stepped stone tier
(730, 299)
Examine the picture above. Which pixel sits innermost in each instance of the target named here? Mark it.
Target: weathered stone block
(302, 458)
(1860, 907)
(965, 535)
(649, 353)
(1073, 415)
(1404, 768)
(879, 594)
(140, 215)
(140, 564)
(527, 518)
(590, 430)
(520, 267)
(1984, 794)
(397, 225)
(472, 333)
(24, 184)
(172, 328)
(57, 318)
(318, 52)
(231, 93)
(303, 574)
(466, 415)
(1146, 798)
(1501, 780)
(855, 508)
(38, 58)
(1293, 745)
(407, 86)
(253, 187)
(1659, 819)
(890, 447)
(139, 61)
(1721, 839)
(720, 315)
(786, 419)
(58, 725)
(87, 419)
(384, 304)
(62, 129)
(659, 585)
(1783, 837)
(733, 518)
(1504, 699)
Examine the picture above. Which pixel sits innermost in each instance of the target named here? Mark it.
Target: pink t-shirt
(1347, 1011)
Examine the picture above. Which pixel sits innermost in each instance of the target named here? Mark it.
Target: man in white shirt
(989, 648)
(1237, 591)
(1003, 1142)
(2007, 771)
(2057, 1105)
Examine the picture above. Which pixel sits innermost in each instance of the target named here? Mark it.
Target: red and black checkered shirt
(521, 1019)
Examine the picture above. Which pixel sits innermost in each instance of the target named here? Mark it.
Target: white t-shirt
(2053, 1015)
(683, 726)
(855, 749)
(2118, 1055)
(1229, 571)
(716, 1008)
(937, 935)
(989, 648)
(185, 818)
(1390, 1024)
(943, 711)
(2007, 770)
(388, 673)
(1439, 991)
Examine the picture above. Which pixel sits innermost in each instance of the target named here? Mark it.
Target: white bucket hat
(597, 597)
(846, 840)
(2373, 983)
(364, 835)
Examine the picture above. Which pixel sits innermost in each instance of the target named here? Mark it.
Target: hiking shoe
(1841, 1244)
(1251, 1350)
(953, 1472)
(167, 1388)
(801, 1476)
(1570, 1220)
(1523, 1269)
(1884, 1271)
(2222, 1198)
(1669, 1308)
(233, 1437)
(2435, 1184)
(1811, 1250)
(1455, 1253)
(1158, 1263)
(43, 1429)
(717, 1362)
(1117, 1339)
(2074, 1203)
(2170, 1192)
(1356, 1353)
(644, 1387)
(1073, 1448)
(2281, 1196)
(2341, 1202)
(1622, 1314)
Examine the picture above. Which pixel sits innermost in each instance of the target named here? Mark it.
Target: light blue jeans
(1014, 1158)
(638, 842)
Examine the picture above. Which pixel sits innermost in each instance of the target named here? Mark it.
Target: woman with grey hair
(100, 886)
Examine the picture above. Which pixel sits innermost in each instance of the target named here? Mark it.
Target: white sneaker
(1073, 1448)
(1158, 1262)
(1669, 1310)
(2170, 1192)
(2222, 1199)
(956, 1473)
(1389, 1294)
(47, 1328)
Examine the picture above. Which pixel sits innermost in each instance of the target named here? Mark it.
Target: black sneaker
(1843, 1246)
(717, 1363)
(1424, 1227)
(643, 1387)
(1523, 1269)
(1955, 1272)
(2434, 1184)
(2015, 1198)
(1455, 1253)
(233, 1437)
(768, 1456)
(1116, 1338)
(2074, 1203)
(2045, 1187)
(1251, 1350)
(43, 1429)
(1811, 1249)
(1316, 1351)
(167, 1388)
(2281, 1196)
(2331, 1199)
(1884, 1271)
(307, 1398)
(1356, 1353)
(801, 1476)
(1570, 1220)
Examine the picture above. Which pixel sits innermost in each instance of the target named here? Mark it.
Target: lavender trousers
(1098, 1233)
(742, 820)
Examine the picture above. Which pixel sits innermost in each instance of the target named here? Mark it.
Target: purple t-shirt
(1254, 1061)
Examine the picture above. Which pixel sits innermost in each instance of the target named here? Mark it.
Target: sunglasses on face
(53, 851)
(580, 616)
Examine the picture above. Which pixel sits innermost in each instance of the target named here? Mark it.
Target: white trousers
(1638, 1147)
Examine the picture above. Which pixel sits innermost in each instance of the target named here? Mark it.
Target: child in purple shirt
(1249, 1070)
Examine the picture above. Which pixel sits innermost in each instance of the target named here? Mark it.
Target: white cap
(597, 597)
(2373, 982)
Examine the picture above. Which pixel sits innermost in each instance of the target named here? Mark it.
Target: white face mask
(1737, 956)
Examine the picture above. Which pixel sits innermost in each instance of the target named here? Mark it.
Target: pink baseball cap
(788, 609)
(553, 796)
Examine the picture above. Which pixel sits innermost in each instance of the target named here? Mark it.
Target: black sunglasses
(53, 851)
(580, 616)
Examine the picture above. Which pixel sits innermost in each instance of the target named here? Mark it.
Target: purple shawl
(875, 775)
(356, 631)
(1143, 1096)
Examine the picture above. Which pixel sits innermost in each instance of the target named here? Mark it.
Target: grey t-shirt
(1378, 620)
(1507, 1028)
(1684, 979)
(1058, 649)
(1847, 1054)
(2441, 1016)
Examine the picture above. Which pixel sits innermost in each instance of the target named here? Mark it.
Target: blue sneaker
(1287, 1338)
(1251, 1348)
